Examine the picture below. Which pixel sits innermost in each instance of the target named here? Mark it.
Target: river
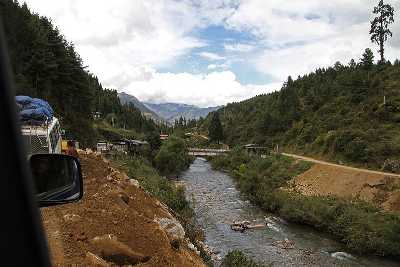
(217, 203)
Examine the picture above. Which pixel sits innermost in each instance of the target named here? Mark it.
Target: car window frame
(22, 228)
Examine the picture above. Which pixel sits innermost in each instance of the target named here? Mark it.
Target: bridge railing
(208, 150)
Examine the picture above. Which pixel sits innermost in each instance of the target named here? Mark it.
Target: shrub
(237, 258)
(172, 157)
(391, 165)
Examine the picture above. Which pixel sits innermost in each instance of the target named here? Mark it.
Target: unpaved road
(340, 166)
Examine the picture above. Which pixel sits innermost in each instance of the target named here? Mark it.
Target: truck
(42, 138)
(40, 129)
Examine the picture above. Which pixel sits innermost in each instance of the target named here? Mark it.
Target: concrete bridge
(198, 152)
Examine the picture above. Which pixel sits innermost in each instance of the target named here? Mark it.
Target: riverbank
(119, 222)
(166, 191)
(361, 226)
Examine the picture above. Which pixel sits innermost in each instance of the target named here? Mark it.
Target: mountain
(126, 98)
(345, 113)
(172, 111)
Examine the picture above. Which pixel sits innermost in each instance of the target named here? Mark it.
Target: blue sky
(210, 53)
(217, 37)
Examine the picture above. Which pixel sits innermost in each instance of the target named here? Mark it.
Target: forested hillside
(348, 113)
(46, 65)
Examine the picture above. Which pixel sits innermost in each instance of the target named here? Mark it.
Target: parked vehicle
(40, 129)
(44, 138)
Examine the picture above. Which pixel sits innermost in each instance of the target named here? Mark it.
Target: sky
(212, 52)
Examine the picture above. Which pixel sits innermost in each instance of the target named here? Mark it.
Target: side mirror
(57, 179)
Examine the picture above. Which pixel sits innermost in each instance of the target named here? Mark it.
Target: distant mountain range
(166, 111)
(125, 98)
(173, 111)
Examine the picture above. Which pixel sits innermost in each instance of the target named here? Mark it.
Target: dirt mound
(330, 180)
(115, 224)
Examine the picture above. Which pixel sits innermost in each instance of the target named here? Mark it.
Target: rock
(95, 260)
(124, 197)
(173, 228)
(285, 244)
(175, 244)
(81, 237)
(71, 218)
(193, 248)
(134, 182)
(342, 256)
(117, 252)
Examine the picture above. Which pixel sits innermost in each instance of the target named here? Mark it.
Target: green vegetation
(237, 258)
(159, 187)
(172, 158)
(348, 113)
(46, 65)
(359, 225)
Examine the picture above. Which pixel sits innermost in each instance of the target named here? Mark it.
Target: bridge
(198, 152)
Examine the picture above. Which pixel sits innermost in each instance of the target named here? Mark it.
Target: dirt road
(116, 223)
(329, 179)
(340, 166)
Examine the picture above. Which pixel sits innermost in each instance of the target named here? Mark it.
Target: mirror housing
(57, 179)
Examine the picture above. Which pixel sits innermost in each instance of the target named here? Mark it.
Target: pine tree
(380, 31)
(367, 60)
(215, 130)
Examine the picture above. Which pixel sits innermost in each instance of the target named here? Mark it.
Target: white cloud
(218, 66)
(299, 60)
(239, 47)
(110, 35)
(213, 89)
(211, 56)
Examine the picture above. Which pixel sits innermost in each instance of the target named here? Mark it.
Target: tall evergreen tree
(380, 31)
(215, 130)
(367, 60)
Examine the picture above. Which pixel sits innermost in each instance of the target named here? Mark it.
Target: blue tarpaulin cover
(34, 110)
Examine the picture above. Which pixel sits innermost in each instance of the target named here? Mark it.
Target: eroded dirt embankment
(333, 180)
(115, 224)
